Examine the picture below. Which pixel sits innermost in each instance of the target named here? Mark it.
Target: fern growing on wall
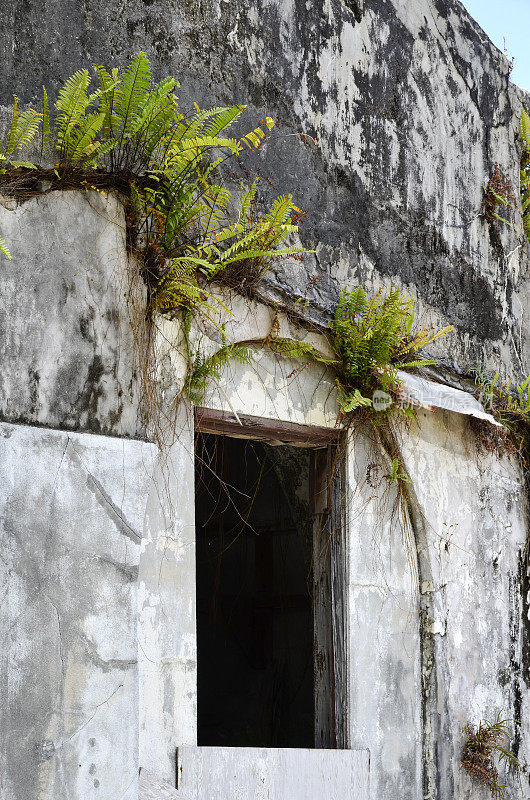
(485, 750)
(128, 134)
(373, 338)
(525, 172)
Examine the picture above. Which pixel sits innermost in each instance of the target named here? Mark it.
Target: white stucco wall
(98, 656)
(71, 519)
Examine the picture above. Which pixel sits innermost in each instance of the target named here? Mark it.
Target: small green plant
(203, 368)
(525, 172)
(4, 248)
(395, 475)
(373, 338)
(485, 750)
(506, 402)
(498, 193)
(129, 135)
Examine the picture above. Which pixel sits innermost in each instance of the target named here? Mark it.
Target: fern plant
(395, 475)
(4, 249)
(507, 402)
(525, 171)
(373, 339)
(22, 131)
(498, 193)
(129, 134)
(483, 745)
(203, 368)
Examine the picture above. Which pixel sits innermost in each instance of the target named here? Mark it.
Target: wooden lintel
(209, 420)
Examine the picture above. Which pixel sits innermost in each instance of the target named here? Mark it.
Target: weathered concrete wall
(410, 105)
(471, 536)
(436, 625)
(71, 519)
(166, 608)
(415, 675)
(66, 338)
(384, 649)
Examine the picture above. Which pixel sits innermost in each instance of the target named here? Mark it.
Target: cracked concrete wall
(410, 105)
(473, 506)
(72, 511)
(436, 625)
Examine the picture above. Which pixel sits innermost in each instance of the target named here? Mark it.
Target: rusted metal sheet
(247, 773)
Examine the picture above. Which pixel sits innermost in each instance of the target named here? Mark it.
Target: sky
(507, 20)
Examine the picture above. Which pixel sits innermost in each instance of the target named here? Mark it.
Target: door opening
(271, 584)
(255, 622)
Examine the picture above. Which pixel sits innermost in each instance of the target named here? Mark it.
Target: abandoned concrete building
(235, 602)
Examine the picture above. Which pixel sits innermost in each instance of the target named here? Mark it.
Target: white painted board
(249, 773)
(151, 787)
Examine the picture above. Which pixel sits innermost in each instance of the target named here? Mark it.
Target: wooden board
(245, 426)
(248, 773)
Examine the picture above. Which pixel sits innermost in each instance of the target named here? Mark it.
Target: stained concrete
(166, 608)
(435, 620)
(66, 331)
(409, 104)
(72, 510)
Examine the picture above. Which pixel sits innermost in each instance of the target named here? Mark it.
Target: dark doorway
(255, 630)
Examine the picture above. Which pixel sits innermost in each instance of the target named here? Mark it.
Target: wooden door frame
(329, 554)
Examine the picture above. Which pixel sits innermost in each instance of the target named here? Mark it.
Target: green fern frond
(205, 368)
(254, 139)
(71, 105)
(208, 143)
(192, 127)
(298, 349)
(350, 401)
(81, 146)
(223, 120)
(130, 95)
(107, 83)
(46, 129)
(247, 199)
(28, 127)
(23, 129)
(26, 164)
(420, 362)
(157, 118)
(4, 249)
(179, 287)
(525, 128)
(262, 254)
